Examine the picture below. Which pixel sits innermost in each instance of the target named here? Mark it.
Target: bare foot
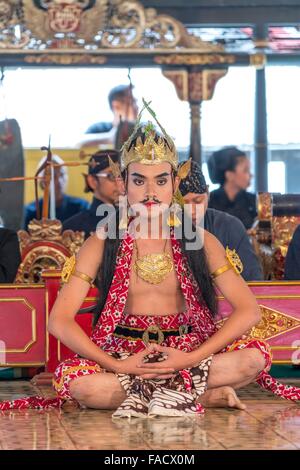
(221, 397)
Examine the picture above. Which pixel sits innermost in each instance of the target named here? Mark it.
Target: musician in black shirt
(230, 168)
(10, 257)
(226, 228)
(292, 261)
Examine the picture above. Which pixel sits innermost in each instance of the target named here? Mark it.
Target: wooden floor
(268, 423)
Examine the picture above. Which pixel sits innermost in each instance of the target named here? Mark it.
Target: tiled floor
(268, 423)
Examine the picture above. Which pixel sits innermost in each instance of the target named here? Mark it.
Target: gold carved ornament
(89, 25)
(273, 323)
(65, 59)
(194, 59)
(264, 206)
(153, 268)
(258, 60)
(153, 329)
(234, 262)
(45, 247)
(149, 152)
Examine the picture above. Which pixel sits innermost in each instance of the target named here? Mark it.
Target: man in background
(292, 261)
(10, 257)
(124, 108)
(101, 182)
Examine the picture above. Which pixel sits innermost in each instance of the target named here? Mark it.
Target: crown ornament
(151, 151)
(234, 260)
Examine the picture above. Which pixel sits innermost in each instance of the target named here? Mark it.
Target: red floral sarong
(175, 396)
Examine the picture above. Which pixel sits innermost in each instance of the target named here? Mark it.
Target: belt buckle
(153, 329)
(183, 330)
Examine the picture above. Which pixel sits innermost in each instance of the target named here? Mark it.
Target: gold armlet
(221, 270)
(234, 262)
(83, 276)
(69, 270)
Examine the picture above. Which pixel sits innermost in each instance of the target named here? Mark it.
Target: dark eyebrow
(157, 176)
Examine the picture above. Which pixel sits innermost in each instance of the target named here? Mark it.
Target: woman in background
(230, 167)
(292, 261)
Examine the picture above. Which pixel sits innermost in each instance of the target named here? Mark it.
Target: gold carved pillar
(195, 85)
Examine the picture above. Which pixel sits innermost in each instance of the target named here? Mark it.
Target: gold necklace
(153, 268)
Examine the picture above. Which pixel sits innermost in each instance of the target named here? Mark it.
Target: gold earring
(178, 198)
(123, 223)
(173, 220)
(123, 211)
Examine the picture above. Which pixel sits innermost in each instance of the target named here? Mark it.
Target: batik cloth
(173, 397)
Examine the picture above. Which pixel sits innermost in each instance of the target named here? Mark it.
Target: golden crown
(149, 152)
(153, 150)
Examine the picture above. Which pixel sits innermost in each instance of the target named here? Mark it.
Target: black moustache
(150, 200)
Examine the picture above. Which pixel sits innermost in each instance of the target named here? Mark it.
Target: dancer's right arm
(62, 322)
(63, 326)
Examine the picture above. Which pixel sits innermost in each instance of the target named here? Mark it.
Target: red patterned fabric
(265, 380)
(38, 403)
(116, 299)
(197, 315)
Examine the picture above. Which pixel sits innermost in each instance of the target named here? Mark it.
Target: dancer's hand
(134, 365)
(174, 359)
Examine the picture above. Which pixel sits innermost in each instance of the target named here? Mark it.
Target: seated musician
(102, 183)
(10, 257)
(65, 205)
(123, 107)
(292, 260)
(230, 168)
(228, 229)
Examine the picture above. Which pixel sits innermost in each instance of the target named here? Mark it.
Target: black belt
(152, 334)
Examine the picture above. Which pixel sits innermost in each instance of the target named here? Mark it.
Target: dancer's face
(151, 185)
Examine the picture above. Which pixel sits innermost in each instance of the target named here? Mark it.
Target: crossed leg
(228, 371)
(101, 391)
